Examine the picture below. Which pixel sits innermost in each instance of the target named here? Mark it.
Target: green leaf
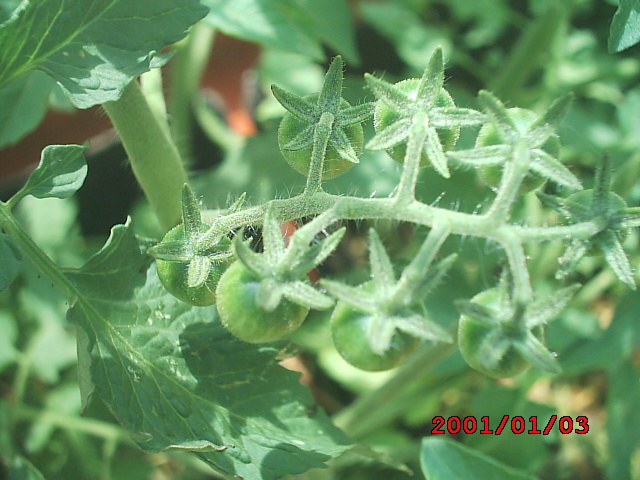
(190, 213)
(443, 459)
(623, 421)
(612, 346)
(60, 174)
(23, 104)
(275, 23)
(521, 451)
(616, 258)
(625, 26)
(10, 259)
(548, 167)
(304, 294)
(382, 272)
(413, 39)
(332, 22)
(173, 375)
(93, 48)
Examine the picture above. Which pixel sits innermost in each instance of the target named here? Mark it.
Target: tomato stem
(406, 191)
(153, 155)
(321, 135)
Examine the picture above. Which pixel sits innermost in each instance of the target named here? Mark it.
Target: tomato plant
(109, 366)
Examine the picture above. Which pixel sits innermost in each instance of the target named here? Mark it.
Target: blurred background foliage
(527, 52)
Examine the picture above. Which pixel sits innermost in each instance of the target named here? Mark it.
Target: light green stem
(514, 173)
(406, 191)
(362, 416)
(187, 69)
(153, 155)
(65, 421)
(320, 141)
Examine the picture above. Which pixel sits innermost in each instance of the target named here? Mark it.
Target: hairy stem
(320, 141)
(154, 158)
(514, 173)
(406, 191)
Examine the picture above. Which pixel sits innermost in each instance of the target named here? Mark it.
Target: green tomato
(385, 115)
(349, 330)
(174, 276)
(334, 164)
(472, 334)
(243, 318)
(488, 136)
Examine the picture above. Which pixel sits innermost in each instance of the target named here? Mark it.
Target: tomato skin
(472, 333)
(334, 164)
(385, 115)
(243, 318)
(174, 276)
(488, 136)
(349, 330)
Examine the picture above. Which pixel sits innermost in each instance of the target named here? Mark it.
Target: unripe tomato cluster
(233, 287)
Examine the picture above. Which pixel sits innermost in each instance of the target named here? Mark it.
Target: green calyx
(319, 118)
(281, 270)
(610, 213)
(513, 128)
(500, 337)
(184, 249)
(395, 305)
(423, 109)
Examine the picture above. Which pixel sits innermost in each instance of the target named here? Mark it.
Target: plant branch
(9, 224)
(406, 190)
(321, 135)
(153, 155)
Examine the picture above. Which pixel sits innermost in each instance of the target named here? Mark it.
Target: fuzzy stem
(416, 270)
(355, 208)
(320, 141)
(154, 158)
(406, 191)
(514, 173)
(523, 292)
(89, 426)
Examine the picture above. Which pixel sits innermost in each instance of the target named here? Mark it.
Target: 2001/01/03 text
(517, 424)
